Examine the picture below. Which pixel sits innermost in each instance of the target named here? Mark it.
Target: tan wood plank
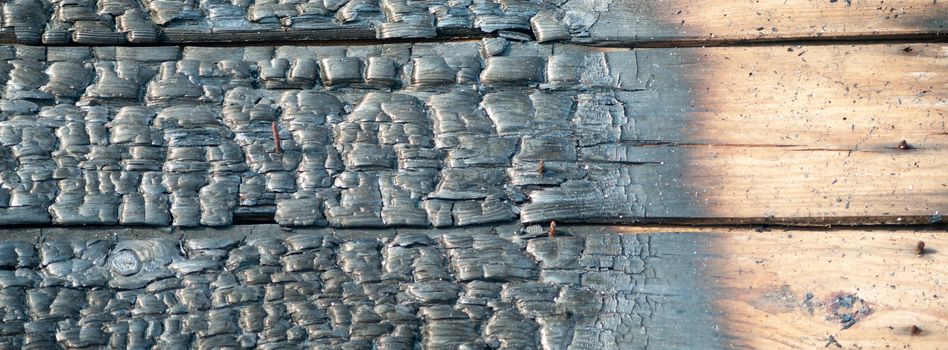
(849, 97)
(792, 289)
(678, 22)
(806, 134)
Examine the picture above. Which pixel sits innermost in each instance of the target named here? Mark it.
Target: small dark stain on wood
(808, 302)
(847, 308)
(904, 145)
(831, 340)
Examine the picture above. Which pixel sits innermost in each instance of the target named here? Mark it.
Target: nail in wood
(276, 137)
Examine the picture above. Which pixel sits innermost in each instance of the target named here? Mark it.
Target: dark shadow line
(807, 223)
(913, 38)
(356, 37)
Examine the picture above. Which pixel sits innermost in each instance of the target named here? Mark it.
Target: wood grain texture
(792, 289)
(454, 134)
(587, 287)
(792, 132)
(601, 22)
(680, 21)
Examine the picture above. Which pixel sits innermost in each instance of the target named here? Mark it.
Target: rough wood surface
(796, 131)
(478, 288)
(473, 132)
(117, 22)
(676, 22)
(792, 289)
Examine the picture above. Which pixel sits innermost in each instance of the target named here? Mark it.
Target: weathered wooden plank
(607, 22)
(473, 132)
(793, 132)
(476, 288)
(681, 21)
(793, 289)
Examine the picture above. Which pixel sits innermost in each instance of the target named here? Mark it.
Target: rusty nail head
(276, 137)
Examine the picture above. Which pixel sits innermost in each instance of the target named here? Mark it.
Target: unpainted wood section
(840, 97)
(792, 289)
(804, 134)
(677, 22)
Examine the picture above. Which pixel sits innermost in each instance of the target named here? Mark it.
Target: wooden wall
(549, 174)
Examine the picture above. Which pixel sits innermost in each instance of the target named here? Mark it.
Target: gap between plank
(917, 38)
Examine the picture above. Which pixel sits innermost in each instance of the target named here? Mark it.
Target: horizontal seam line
(213, 40)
